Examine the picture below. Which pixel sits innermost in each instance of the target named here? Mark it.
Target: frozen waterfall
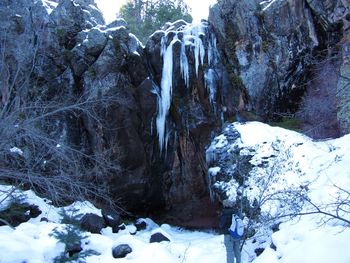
(192, 39)
(164, 100)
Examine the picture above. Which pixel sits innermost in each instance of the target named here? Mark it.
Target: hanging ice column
(191, 36)
(164, 100)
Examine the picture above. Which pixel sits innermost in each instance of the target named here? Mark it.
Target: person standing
(231, 226)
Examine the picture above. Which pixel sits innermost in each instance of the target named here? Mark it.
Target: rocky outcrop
(194, 97)
(95, 70)
(266, 46)
(117, 84)
(272, 46)
(343, 91)
(260, 172)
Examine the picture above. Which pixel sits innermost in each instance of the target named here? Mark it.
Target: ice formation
(192, 38)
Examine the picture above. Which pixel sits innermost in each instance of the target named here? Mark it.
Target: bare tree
(267, 198)
(34, 151)
(318, 109)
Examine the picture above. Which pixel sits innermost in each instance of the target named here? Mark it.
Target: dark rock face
(264, 46)
(121, 251)
(343, 92)
(75, 57)
(92, 223)
(272, 47)
(200, 97)
(158, 237)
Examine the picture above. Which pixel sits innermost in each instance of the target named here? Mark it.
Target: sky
(200, 8)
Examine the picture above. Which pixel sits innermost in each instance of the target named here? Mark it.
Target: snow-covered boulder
(257, 161)
(272, 176)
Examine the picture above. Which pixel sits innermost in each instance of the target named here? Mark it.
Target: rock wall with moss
(273, 47)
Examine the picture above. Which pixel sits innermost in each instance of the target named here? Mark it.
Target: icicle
(164, 100)
(210, 83)
(194, 33)
(184, 64)
(212, 51)
(192, 36)
(199, 53)
(163, 46)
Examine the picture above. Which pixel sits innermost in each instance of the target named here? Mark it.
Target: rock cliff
(153, 109)
(272, 47)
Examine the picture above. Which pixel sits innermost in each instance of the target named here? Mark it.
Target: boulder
(34, 211)
(140, 224)
(44, 219)
(158, 237)
(18, 213)
(116, 229)
(73, 248)
(111, 217)
(92, 223)
(121, 251)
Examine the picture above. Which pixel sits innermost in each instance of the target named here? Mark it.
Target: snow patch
(16, 150)
(49, 5)
(214, 170)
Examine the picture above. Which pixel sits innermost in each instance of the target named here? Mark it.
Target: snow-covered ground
(304, 240)
(31, 242)
(284, 160)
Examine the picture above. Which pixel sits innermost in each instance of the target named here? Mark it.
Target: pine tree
(146, 16)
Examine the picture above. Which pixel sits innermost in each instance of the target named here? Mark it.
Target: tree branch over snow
(36, 125)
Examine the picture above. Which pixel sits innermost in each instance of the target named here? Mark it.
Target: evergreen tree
(146, 16)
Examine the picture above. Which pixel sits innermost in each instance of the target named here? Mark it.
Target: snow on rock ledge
(255, 152)
(272, 175)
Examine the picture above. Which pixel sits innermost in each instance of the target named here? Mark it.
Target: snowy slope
(31, 242)
(315, 174)
(308, 239)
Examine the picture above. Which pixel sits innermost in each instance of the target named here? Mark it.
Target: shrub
(71, 236)
(318, 107)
